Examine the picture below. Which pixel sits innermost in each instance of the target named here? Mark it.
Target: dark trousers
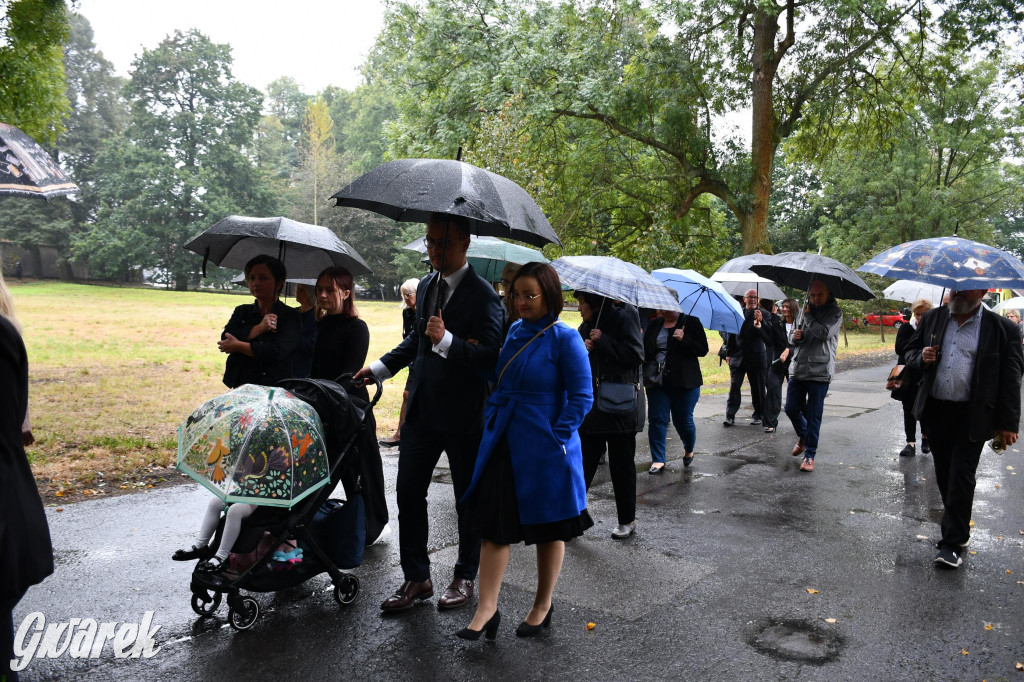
(772, 398)
(754, 375)
(956, 459)
(419, 451)
(621, 465)
(910, 422)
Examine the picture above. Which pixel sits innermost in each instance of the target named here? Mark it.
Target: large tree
(32, 38)
(184, 162)
(645, 87)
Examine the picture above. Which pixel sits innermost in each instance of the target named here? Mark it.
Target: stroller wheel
(345, 592)
(244, 617)
(204, 604)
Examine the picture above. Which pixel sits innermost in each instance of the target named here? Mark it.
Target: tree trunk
(763, 143)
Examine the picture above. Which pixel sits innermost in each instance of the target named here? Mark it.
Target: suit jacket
(995, 381)
(681, 364)
(26, 556)
(749, 348)
(448, 394)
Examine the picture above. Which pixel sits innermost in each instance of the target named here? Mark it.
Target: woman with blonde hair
(908, 391)
(408, 320)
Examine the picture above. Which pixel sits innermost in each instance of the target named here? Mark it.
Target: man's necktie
(442, 292)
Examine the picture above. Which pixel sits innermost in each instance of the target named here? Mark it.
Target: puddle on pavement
(795, 640)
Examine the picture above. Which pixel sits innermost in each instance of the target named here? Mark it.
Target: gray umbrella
(304, 249)
(410, 190)
(797, 269)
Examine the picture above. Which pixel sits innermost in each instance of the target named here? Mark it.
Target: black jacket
(26, 556)
(682, 368)
(616, 357)
(448, 394)
(272, 351)
(749, 348)
(996, 380)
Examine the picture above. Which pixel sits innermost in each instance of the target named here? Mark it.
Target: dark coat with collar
(681, 357)
(272, 355)
(26, 556)
(995, 381)
(448, 394)
(750, 347)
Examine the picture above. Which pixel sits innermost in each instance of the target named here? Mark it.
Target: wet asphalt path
(715, 584)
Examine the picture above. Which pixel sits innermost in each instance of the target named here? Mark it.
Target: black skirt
(496, 509)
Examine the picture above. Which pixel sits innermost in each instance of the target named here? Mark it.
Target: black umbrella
(26, 170)
(410, 190)
(304, 249)
(797, 269)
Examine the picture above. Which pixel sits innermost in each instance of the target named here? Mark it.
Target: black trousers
(419, 451)
(956, 459)
(621, 465)
(755, 375)
(910, 422)
(772, 398)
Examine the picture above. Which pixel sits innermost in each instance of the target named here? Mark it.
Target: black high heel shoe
(527, 630)
(490, 628)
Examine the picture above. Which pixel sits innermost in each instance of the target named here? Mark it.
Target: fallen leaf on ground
(59, 493)
(971, 524)
(1009, 572)
(964, 652)
(60, 508)
(973, 552)
(591, 626)
(830, 620)
(811, 590)
(1019, 666)
(988, 626)
(922, 537)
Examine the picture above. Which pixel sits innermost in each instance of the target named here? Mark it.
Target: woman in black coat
(342, 339)
(615, 346)
(908, 391)
(26, 556)
(261, 337)
(675, 342)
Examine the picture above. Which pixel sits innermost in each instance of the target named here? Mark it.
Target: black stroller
(313, 524)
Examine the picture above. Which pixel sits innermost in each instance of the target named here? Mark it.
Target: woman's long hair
(342, 279)
(7, 305)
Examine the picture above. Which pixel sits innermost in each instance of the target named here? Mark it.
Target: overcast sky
(316, 42)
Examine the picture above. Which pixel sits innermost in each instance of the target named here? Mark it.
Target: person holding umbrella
(971, 360)
(814, 339)
(748, 357)
(455, 346)
(261, 336)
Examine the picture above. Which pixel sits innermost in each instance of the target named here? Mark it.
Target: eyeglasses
(437, 243)
(516, 296)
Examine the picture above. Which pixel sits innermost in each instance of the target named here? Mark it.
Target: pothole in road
(795, 640)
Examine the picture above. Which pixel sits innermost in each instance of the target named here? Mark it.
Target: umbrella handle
(206, 257)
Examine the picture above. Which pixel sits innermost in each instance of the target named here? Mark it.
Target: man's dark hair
(550, 285)
(458, 222)
(276, 267)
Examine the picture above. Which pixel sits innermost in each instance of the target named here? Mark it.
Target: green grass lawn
(114, 370)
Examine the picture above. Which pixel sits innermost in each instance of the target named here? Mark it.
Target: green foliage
(32, 37)
(184, 162)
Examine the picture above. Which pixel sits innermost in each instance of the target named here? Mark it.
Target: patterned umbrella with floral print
(256, 444)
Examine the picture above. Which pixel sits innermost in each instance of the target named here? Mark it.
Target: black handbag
(654, 373)
(616, 398)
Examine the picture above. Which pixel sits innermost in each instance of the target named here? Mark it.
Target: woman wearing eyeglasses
(527, 484)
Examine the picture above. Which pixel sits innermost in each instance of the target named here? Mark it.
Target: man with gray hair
(971, 361)
(815, 338)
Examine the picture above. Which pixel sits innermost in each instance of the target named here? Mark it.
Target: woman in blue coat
(528, 483)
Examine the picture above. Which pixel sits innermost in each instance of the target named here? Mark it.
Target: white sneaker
(385, 533)
(623, 531)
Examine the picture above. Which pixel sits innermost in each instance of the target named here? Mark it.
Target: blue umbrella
(705, 299)
(950, 262)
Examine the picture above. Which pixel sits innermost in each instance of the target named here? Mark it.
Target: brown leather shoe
(798, 449)
(408, 594)
(457, 594)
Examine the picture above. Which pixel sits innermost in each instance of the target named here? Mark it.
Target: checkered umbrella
(615, 279)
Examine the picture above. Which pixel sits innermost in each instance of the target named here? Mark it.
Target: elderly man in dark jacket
(814, 338)
(971, 362)
(748, 353)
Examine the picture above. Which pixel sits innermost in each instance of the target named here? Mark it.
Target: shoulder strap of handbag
(512, 359)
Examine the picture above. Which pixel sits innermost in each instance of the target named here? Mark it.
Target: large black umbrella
(26, 170)
(304, 249)
(797, 269)
(410, 190)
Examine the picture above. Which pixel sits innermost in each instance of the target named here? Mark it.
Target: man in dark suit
(455, 342)
(972, 363)
(748, 357)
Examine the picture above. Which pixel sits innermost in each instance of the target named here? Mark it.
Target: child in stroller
(313, 524)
